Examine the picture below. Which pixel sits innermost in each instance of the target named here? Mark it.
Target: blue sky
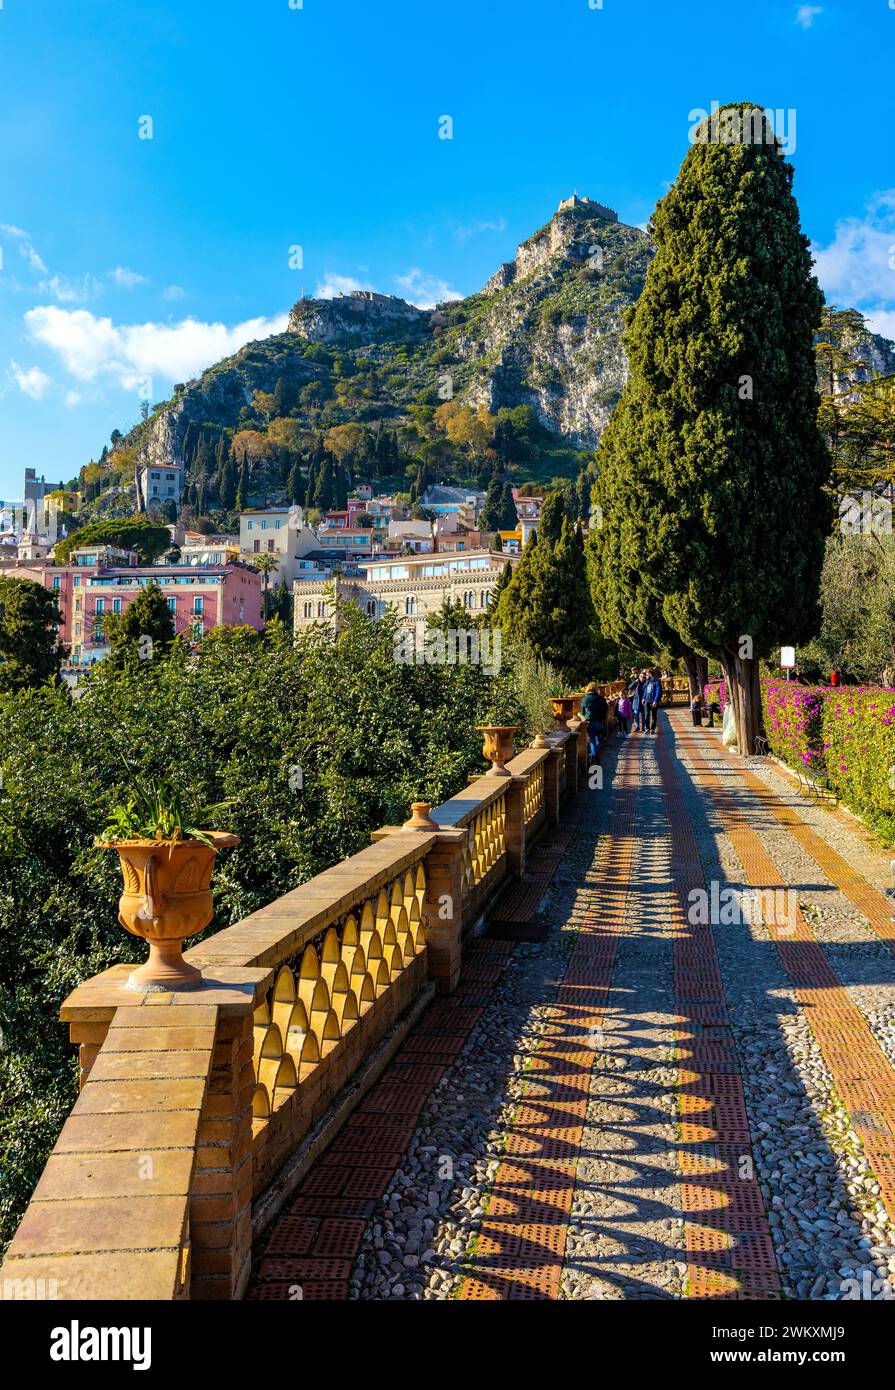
(130, 264)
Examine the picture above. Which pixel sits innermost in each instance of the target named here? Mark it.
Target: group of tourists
(638, 705)
(642, 701)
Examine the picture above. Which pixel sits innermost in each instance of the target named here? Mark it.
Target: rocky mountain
(544, 332)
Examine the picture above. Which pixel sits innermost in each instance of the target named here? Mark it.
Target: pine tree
(711, 479)
(30, 652)
(143, 632)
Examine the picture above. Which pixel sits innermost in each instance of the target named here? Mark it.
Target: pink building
(200, 597)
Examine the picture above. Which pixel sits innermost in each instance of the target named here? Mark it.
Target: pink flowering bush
(793, 717)
(715, 693)
(844, 736)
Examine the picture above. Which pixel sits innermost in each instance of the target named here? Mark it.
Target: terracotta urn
(541, 741)
(498, 746)
(166, 898)
(420, 818)
(563, 709)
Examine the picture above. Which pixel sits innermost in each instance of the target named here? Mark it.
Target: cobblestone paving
(655, 1102)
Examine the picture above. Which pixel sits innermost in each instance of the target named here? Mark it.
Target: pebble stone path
(653, 1102)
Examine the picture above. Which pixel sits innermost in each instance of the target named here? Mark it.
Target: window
(271, 545)
(57, 581)
(77, 581)
(309, 609)
(116, 605)
(197, 606)
(409, 606)
(371, 607)
(172, 605)
(77, 629)
(321, 610)
(256, 547)
(100, 605)
(264, 526)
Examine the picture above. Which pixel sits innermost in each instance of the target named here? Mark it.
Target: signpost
(787, 659)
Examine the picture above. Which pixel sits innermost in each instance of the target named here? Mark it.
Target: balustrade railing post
(514, 825)
(571, 751)
(552, 773)
(221, 1190)
(443, 867)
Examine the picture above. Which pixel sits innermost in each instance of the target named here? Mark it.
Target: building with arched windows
(412, 585)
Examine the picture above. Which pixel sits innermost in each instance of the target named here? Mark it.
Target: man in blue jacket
(652, 698)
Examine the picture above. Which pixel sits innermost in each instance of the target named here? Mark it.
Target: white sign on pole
(788, 657)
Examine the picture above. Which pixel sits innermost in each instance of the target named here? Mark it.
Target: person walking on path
(635, 690)
(624, 712)
(696, 709)
(594, 709)
(652, 698)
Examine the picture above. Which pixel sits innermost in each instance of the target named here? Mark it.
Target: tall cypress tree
(295, 485)
(242, 491)
(227, 480)
(324, 491)
(711, 484)
(547, 603)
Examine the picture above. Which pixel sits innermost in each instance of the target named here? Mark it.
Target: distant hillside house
(444, 500)
(279, 531)
(160, 482)
(197, 549)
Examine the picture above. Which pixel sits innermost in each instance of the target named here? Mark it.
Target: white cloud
(806, 15)
(857, 268)
(25, 247)
(32, 381)
(174, 292)
(126, 279)
(331, 286)
(66, 291)
(73, 398)
(882, 321)
(90, 347)
(477, 228)
(425, 290)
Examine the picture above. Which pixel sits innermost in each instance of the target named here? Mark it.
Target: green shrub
(231, 723)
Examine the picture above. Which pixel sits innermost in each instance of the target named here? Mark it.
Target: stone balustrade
(199, 1112)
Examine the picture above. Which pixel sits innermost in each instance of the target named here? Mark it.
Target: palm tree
(266, 564)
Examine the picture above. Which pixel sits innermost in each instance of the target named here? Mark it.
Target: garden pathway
(669, 1096)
